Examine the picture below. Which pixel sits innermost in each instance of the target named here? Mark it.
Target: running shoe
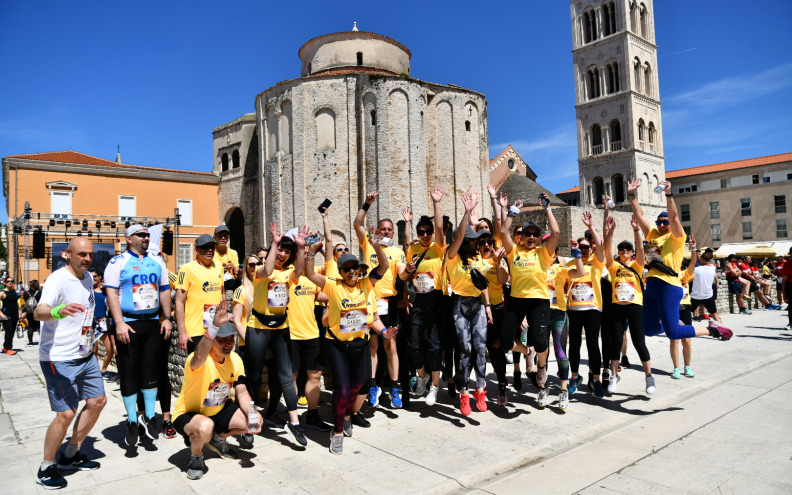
(413, 383)
(613, 381)
(517, 381)
(420, 385)
(625, 361)
(431, 397)
(10, 352)
(395, 394)
(481, 400)
(30, 344)
(359, 420)
(745, 311)
(563, 400)
(543, 398)
(598, 392)
(464, 404)
(574, 383)
(222, 449)
(107, 375)
(131, 438)
(296, 434)
(337, 443)
(274, 420)
(149, 426)
(650, 385)
(503, 398)
(689, 372)
(168, 430)
(79, 462)
(314, 422)
(605, 375)
(772, 307)
(246, 440)
(51, 478)
(374, 395)
(677, 374)
(302, 401)
(195, 469)
(348, 427)
(717, 330)
(541, 376)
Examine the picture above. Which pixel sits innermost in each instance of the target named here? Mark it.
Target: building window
(644, 22)
(789, 176)
(127, 207)
(373, 117)
(686, 229)
(724, 183)
(765, 180)
(615, 135)
(617, 188)
(235, 159)
(61, 203)
(360, 58)
(651, 133)
(745, 207)
(185, 211)
(781, 228)
(599, 190)
(715, 232)
(224, 162)
(747, 231)
(641, 133)
(467, 125)
(325, 129)
(184, 254)
(684, 212)
(122, 247)
(596, 140)
(780, 203)
(755, 178)
(714, 210)
(511, 164)
(647, 79)
(637, 74)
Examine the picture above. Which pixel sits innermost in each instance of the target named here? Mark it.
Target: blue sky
(156, 77)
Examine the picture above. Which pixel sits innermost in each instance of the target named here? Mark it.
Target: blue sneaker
(598, 392)
(573, 384)
(395, 394)
(413, 383)
(773, 307)
(373, 395)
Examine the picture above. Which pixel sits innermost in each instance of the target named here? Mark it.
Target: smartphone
(545, 201)
(325, 205)
(313, 239)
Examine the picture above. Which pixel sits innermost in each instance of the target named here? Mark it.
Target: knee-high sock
(149, 401)
(130, 403)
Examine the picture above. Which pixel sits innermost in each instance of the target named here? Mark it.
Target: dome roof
(351, 49)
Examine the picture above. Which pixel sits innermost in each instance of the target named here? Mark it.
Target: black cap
(709, 250)
(531, 225)
(625, 244)
(222, 228)
(204, 239)
(346, 258)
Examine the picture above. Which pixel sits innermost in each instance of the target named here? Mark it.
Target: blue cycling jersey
(139, 280)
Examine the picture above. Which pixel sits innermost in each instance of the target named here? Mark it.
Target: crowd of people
(400, 320)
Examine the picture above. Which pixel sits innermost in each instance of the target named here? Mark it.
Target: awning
(768, 249)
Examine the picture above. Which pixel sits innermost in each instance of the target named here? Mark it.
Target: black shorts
(709, 304)
(735, 286)
(754, 286)
(307, 355)
(221, 420)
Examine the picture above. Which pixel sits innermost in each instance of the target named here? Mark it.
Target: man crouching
(203, 414)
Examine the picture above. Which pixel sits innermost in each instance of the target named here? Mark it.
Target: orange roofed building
(66, 193)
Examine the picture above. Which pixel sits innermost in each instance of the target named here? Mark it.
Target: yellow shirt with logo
(428, 276)
(302, 299)
(685, 281)
(205, 390)
(204, 288)
(434, 251)
(626, 286)
(350, 310)
(239, 298)
(557, 276)
(331, 270)
(671, 249)
(490, 270)
(528, 269)
(271, 297)
(230, 256)
(459, 276)
(386, 286)
(586, 291)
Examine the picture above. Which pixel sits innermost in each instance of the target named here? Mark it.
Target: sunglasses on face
(662, 222)
(254, 264)
(350, 267)
(142, 235)
(584, 246)
(489, 242)
(531, 234)
(342, 250)
(625, 249)
(519, 232)
(210, 247)
(424, 232)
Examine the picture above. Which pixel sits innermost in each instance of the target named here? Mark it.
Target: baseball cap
(531, 225)
(134, 229)
(346, 258)
(225, 330)
(625, 245)
(204, 239)
(221, 228)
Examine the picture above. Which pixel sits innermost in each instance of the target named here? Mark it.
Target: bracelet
(487, 305)
(211, 332)
(310, 255)
(635, 231)
(56, 312)
(630, 195)
(365, 206)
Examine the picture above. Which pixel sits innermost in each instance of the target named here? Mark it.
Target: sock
(295, 424)
(216, 437)
(395, 384)
(71, 450)
(149, 401)
(46, 464)
(130, 403)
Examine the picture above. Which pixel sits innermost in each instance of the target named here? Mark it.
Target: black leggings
(163, 381)
(537, 313)
(33, 327)
(590, 319)
(138, 360)
(497, 354)
(423, 337)
(685, 314)
(257, 341)
(788, 290)
(10, 327)
(449, 337)
(622, 313)
(349, 373)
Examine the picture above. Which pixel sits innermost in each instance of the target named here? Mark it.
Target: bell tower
(617, 100)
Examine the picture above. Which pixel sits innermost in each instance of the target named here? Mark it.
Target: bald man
(65, 352)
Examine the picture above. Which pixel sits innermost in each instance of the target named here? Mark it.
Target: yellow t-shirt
(385, 287)
(204, 287)
(271, 297)
(528, 269)
(671, 249)
(173, 280)
(205, 390)
(490, 270)
(685, 281)
(302, 298)
(229, 256)
(428, 276)
(586, 291)
(239, 298)
(350, 310)
(626, 286)
(557, 276)
(331, 270)
(459, 276)
(434, 251)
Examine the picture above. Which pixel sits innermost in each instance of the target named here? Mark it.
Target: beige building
(740, 201)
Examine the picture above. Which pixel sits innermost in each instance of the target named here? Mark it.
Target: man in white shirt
(702, 293)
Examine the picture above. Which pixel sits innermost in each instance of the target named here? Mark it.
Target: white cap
(134, 229)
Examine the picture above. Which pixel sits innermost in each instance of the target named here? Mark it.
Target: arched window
(647, 79)
(235, 159)
(615, 135)
(613, 17)
(599, 190)
(606, 26)
(360, 58)
(511, 164)
(617, 83)
(633, 17)
(637, 74)
(373, 117)
(617, 188)
(597, 82)
(644, 22)
(467, 125)
(590, 84)
(641, 129)
(596, 139)
(586, 27)
(651, 133)
(224, 162)
(325, 129)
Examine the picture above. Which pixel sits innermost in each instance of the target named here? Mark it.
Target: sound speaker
(167, 242)
(39, 242)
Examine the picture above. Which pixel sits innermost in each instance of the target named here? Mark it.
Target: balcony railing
(597, 149)
(616, 146)
(642, 145)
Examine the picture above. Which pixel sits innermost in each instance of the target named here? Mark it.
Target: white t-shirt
(71, 337)
(704, 275)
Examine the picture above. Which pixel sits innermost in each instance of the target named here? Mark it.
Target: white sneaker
(612, 382)
(431, 397)
(543, 397)
(563, 400)
(420, 384)
(650, 385)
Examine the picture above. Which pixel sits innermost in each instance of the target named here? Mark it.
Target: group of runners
(398, 319)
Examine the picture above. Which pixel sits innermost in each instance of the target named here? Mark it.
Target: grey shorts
(69, 382)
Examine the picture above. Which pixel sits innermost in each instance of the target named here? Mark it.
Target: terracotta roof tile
(70, 156)
(352, 70)
(721, 167)
(571, 190)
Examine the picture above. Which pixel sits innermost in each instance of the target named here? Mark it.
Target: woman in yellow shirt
(686, 317)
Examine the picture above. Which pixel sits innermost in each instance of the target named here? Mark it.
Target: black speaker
(167, 242)
(39, 242)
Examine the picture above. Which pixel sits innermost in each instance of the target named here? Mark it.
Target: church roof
(571, 190)
(722, 167)
(517, 185)
(77, 158)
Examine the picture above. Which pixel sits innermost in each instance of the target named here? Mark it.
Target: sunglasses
(142, 235)
(584, 246)
(424, 232)
(251, 265)
(208, 247)
(531, 234)
(663, 222)
(350, 267)
(489, 242)
(517, 232)
(625, 249)
(342, 250)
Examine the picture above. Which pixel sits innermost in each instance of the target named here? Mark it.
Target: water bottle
(610, 202)
(660, 188)
(253, 421)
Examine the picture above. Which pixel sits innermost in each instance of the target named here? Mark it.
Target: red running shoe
(725, 333)
(481, 400)
(10, 352)
(464, 404)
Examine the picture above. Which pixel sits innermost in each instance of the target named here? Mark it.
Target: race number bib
(382, 306)
(424, 283)
(353, 320)
(685, 291)
(625, 291)
(553, 296)
(87, 332)
(145, 296)
(582, 292)
(102, 325)
(208, 314)
(217, 394)
(277, 295)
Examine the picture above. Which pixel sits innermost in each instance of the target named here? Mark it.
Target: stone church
(355, 121)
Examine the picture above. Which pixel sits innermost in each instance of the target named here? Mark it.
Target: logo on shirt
(210, 287)
(299, 290)
(347, 303)
(144, 279)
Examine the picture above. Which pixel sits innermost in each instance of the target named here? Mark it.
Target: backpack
(31, 302)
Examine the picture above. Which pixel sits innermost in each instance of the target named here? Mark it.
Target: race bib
(625, 291)
(278, 295)
(685, 291)
(582, 292)
(208, 314)
(382, 307)
(424, 283)
(353, 320)
(87, 333)
(145, 296)
(217, 394)
(102, 324)
(553, 297)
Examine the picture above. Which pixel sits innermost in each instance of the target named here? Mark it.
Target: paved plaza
(724, 431)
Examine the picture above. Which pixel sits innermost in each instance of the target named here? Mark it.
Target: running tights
(558, 328)
(471, 327)
(496, 350)
(589, 319)
(661, 310)
(537, 312)
(622, 313)
(349, 373)
(257, 342)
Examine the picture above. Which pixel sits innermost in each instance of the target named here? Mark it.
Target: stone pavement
(715, 433)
